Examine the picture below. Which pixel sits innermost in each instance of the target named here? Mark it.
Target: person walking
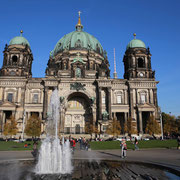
(35, 151)
(123, 148)
(178, 142)
(73, 145)
(136, 144)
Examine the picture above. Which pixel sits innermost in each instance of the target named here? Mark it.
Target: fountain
(54, 156)
(54, 161)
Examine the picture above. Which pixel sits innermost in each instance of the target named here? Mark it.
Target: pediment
(146, 106)
(7, 104)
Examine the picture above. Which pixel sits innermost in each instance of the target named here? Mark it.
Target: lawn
(15, 146)
(97, 145)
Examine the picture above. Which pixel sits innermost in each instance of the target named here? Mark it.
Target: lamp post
(161, 125)
(24, 115)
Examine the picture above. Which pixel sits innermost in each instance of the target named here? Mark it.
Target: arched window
(78, 43)
(78, 73)
(35, 98)
(119, 97)
(140, 62)
(143, 97)
(14, 60)
(10, 97)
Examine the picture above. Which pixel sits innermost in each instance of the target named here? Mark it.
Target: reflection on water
(172, 176)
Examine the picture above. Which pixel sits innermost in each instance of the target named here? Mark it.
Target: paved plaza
(164, 157)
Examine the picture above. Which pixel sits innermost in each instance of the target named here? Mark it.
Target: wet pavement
(165, 157)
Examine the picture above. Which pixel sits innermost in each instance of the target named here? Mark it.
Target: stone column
(29, 114)
(3, 120)
(155, 97)
(3, 91)
(125, 117)
(151, 96)
(94, 115)
(109, 103)
(100, 103)
(19, 95)
(131, 104)
(45, 103)
(140, 122)
(40, 115)
(125, 97)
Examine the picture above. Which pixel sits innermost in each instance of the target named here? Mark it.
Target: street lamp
(161, 124)
(24, 115)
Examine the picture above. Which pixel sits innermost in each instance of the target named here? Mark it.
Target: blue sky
(156, 22)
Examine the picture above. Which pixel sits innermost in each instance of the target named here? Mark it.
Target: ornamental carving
(77, 86)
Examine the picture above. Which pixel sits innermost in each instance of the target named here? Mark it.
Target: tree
(130, 127)
(152, 126)
(33, 126)
(10, 127)
(114, 128)
(91, 128)
(6, 129)
(170, 124)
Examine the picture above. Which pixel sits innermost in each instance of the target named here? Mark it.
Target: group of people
(124, 147)
(84, 144)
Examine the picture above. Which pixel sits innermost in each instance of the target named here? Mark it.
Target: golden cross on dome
(134, 35)
(79, 12)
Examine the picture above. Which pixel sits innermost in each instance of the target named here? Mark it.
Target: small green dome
(135, 43)
(19, 40)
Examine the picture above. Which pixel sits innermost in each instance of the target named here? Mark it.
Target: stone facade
(87, 92)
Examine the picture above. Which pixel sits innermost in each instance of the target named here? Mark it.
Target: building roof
(135, 43)
(19, 40)
(78, 39)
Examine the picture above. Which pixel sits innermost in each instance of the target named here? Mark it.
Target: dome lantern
(79, 26)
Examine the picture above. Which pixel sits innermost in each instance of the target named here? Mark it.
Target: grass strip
(103, 145)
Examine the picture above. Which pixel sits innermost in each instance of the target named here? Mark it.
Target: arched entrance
(78, 113)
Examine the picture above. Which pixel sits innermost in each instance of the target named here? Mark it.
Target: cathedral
(78, 67)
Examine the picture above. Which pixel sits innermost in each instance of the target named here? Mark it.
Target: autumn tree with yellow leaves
(114, 128)
(130, 127)
(33, 126)
(170, 124)
(152, 126)
(91, 129)
(10, 127)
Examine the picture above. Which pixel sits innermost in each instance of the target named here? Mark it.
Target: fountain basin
(88, 170)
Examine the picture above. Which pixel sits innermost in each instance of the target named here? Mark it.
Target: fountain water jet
(54, 158)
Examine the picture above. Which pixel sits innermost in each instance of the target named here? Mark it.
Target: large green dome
(77, 40)
(19, 40)
(136, 43)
